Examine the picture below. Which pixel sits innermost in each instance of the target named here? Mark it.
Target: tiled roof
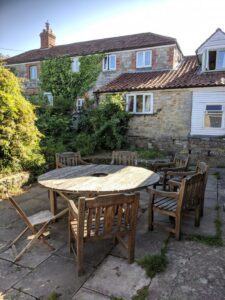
(188, 74)
(126, 42)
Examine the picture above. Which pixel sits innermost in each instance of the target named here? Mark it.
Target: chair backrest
(190, 191)
(67, 159)
(181, 161)
(127, 158)
(20, 211)
(106, 215)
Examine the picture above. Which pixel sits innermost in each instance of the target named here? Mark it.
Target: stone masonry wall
(162, 59)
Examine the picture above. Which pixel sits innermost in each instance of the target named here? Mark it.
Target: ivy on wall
(58, 78)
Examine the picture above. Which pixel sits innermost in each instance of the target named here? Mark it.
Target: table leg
(53, 202)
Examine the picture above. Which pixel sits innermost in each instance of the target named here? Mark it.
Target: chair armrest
(173, 184)
(161, 165)
(82, 162)
(173, 169)
(180, 174)
(162, 193)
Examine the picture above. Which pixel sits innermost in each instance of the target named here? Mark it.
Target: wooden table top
(98, 179)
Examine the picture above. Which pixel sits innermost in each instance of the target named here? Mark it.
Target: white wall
(200, 98)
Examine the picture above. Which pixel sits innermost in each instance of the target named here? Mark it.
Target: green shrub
(19, 137)
(85, 143)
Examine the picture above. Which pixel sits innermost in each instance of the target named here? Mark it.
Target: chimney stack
(47, 37)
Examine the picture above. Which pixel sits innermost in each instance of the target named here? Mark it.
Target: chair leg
(131, 247)
(150, 216)
(202, 207)
(80, 256)
(197, 215)
(177, 226)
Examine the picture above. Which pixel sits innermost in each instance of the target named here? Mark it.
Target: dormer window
(214, 60)
(109, 62)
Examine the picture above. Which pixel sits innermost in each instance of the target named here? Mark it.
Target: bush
(19, 137)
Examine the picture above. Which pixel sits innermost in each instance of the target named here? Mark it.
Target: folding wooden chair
(127, 158)
(36, 223)
(103, 217)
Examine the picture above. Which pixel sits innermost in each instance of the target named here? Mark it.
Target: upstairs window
(214, 60)
(144, 59)
(213, 116)
(139, 103)
(33, 72)
(109, 62)
(76, 65)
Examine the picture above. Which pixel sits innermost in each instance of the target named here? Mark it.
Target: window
(214, 60)
(33, 72)
(140, 103)
(144, 59)
(109, 62)
(49, 97)
(79, 104)
(213, 116)
(76, 65)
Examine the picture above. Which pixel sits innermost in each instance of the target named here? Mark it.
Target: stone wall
(169, 125)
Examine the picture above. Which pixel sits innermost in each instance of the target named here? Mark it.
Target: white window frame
(75, 65)
(205, 60)
(108, 67)
(134, 104)
(79, 104)
(144, 53)
(49, 96)
(222, 122)
(31, 72)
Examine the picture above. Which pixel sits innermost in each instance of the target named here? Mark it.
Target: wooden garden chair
(176, 178)
(36, 223)
(66, 159)
(179, 163)
(126, 158)
(172, 203)
(102, 217)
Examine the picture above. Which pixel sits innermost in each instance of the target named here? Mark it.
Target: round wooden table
(91, 180)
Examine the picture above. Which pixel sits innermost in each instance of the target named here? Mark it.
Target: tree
(19, 137)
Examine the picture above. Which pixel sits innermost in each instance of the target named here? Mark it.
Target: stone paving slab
(14, 294)
(36, 255)
(86, 294)
(56, 274)
(10, 274)
(195, 272)
(115, 277)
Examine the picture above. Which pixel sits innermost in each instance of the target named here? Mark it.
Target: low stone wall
(14, 181)
(208, 149)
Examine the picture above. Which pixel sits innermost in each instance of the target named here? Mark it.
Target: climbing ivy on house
(65, 85)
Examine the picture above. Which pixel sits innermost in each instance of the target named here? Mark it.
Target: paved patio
(195, 271)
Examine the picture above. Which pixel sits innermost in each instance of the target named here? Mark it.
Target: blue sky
(189, 21)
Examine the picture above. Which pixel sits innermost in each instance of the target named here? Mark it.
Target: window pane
(76, 65)
(139, 103)
(140, 59)
(147, 103)
(33, 72)
(212, 60)
(112, 62)
(221, 60)
(214, 107)
(130, 103)
(105, 63)
(147, 58)
(213, 120)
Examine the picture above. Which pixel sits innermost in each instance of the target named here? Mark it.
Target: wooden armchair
(178, 164)
(102, 217)
(172, 203)
(176, 178)
(66, 159)
(127, 158)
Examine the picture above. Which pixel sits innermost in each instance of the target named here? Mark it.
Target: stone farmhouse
(177, 102)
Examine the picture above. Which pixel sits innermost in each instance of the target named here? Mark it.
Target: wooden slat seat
(173, 203)
(40, 217)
